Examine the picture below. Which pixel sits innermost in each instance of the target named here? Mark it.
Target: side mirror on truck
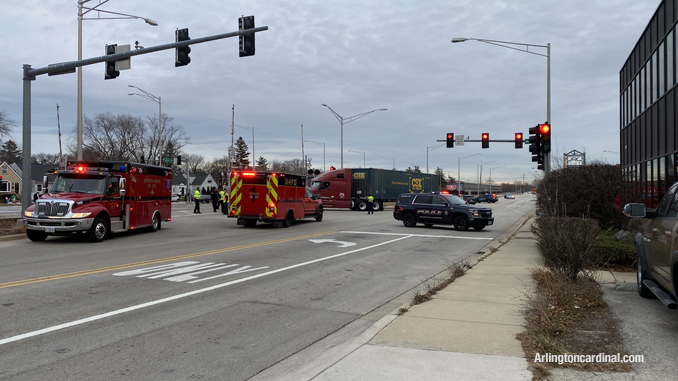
(635, 210)
(123, 187)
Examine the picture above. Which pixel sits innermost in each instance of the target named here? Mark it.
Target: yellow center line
(154, 261)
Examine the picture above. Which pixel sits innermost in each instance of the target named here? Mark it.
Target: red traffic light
(544, 128)
(486, 140)
(450, 140)
(518, 140)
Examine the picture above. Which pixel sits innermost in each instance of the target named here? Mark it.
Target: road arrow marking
(343, 244)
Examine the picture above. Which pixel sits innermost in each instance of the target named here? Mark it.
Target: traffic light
(545, 137)
(519, 140)
(181, 57)
(535, 146)
(110, 72)
(178, 159)
(246, 45)
(450, 140)
(486, 140)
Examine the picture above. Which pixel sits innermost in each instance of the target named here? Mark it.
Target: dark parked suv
(656, 245)
(440, 209)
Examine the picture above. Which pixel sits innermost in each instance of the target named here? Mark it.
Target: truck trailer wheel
(36, 236)
(376, 205)
(99, 231)
(362, 205)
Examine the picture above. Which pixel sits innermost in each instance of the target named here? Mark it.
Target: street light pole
(505, 44)
(363, 156)
(80, 18)
(322, 144)
(158, 100)
(388, 158)
(431, 149)
(343, 120)
(459, 164)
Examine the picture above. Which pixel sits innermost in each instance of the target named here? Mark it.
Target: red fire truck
(98, 198)
(271, 197)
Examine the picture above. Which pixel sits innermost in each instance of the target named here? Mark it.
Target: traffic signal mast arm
(30, 73)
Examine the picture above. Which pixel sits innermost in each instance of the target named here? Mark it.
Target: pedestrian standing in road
(196, 198)
(215, 200)
(220, 203)
(370, 204)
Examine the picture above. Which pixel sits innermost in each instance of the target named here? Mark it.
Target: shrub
(611, 251)
(567, 244)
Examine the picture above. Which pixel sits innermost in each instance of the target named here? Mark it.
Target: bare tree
(6, 124)
(196, 162)
(170, 133)
(46, 158)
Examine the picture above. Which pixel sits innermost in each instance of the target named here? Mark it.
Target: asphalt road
(203, 298)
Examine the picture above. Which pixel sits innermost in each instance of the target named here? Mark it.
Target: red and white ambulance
(273, 197)
(99, 198)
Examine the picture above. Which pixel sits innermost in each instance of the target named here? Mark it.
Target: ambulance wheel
(155, 224)
(99, 231)
(319, 214)
(288, 220)
(36, 236)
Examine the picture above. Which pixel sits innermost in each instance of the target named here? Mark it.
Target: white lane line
(180, 296)
(422, 235)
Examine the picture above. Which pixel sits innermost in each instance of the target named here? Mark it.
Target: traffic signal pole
(29, 75)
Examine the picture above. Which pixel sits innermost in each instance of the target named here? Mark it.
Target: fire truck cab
(99, 198)
(273, 197)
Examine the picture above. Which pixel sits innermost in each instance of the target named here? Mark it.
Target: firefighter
(370, 204)
(224, 202)
(196, 198)
(215, 200)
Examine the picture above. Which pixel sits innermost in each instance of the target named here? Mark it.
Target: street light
(157, 100)
(431, 149)
(250, 129)
(479, 169)
(323, 144)
(490, 179)
(388, 158)
(363, 156)
(80, 18)
(343, 120)
(459, 159)
(505, 44)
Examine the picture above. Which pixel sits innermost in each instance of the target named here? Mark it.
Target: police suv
(440, 209)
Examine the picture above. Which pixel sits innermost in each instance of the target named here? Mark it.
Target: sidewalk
(466, 332)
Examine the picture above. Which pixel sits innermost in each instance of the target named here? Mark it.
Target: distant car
(444, 209)
(509, 195)
(486, 198)
(175, 198)
(469, 199)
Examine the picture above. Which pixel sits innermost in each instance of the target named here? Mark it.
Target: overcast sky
(355, 56)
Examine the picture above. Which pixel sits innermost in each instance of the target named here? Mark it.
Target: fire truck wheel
(36, 236)
(319, 214)
(156, 224)
(99, 231)
(288, 220)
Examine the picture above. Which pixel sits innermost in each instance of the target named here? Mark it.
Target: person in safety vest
(370, 204)
(196, 198)
(224, 202)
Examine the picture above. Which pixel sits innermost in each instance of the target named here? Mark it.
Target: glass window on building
(661, 177)
(653, 75)
(661, 71)
(644, 88)
(670, 170)
(670, 70)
